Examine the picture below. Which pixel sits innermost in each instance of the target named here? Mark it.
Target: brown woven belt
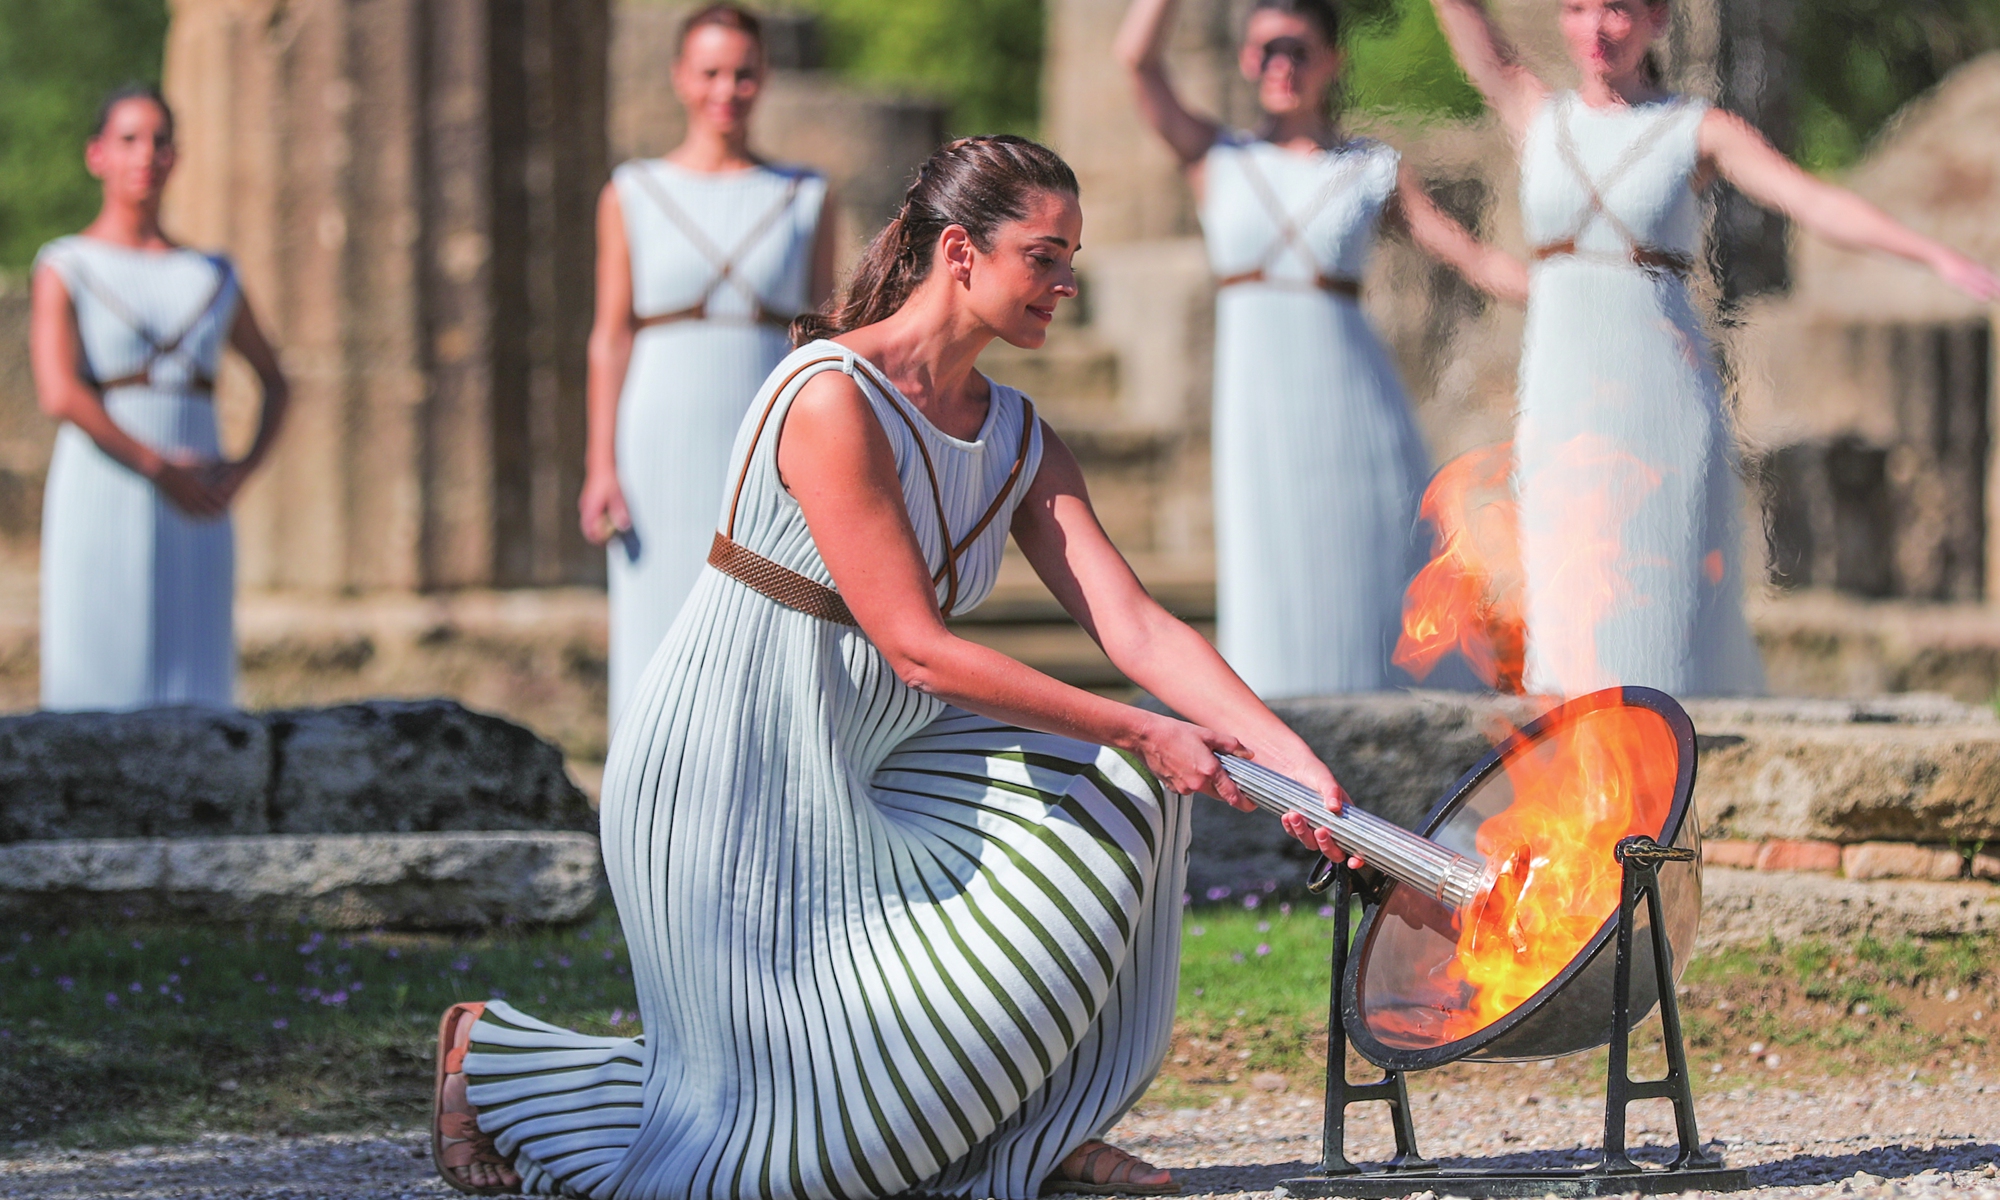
(1351, 288)
(1642, 257)
(699, 312)
(199, 383)
(780, 583)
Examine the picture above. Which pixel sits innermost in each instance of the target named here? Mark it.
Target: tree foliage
(57, 60)
(982, 57)
(1397, 61)
(1858, 61)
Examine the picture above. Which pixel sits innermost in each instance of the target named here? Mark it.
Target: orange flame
(1577, 792)
(1600, 778)
(1468, 597)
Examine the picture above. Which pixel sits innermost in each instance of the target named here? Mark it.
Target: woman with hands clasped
(1318, 461)
(1625, 468)
(126, 332)
(904, 913)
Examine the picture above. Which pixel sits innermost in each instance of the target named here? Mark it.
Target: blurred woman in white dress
(1318, 461)
(126, 333)
(1625, 464)
(703, 259)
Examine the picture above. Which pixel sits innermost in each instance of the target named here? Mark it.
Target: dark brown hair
(976, 183)
(131, 91)
(725, 16)
(1320, 14)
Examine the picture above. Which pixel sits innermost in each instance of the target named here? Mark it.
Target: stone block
(1782, 855)
(1986, 866)
(1744, 908)
(383, 766)
(1724, 853)
(1900, 860)
(340, 881)
(408, 766)
(172, 772)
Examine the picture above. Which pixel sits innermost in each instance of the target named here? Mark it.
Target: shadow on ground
(1885, 1162)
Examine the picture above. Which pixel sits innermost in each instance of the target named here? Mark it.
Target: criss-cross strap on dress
(137, 596)
(1318, 461)
(1627, 473)
(721, 263)
(879, 943)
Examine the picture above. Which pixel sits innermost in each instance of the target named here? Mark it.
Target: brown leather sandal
(457, 1142)
(1093, 1178)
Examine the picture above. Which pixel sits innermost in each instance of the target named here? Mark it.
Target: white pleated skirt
(137, 596)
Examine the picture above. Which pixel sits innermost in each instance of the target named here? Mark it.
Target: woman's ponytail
(976, 183)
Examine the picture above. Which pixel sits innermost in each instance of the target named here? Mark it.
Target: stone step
(1073, 376)
(329, 881)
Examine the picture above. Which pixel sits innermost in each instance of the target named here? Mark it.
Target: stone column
(1733, 53)
(409, 188)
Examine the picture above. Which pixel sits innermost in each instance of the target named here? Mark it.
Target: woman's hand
(187, 484)
(602, 507)
(226, 479)
(1318, 777)
(1967, 275)
(1182, 757)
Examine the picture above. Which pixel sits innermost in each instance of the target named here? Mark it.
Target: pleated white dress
(1318, 461)
(878, 942)
(726, 260)
(137, 596)
(1630, 505)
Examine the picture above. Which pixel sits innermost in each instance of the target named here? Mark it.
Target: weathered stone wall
(1911, 769)
(379, 767)
(409, 189)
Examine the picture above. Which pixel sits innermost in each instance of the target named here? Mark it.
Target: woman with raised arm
(1318, 461)
(126, 332)
(1626, 470)
(703, 259)
(904, 913)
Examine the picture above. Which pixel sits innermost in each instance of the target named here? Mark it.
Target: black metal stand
(1408, 1172)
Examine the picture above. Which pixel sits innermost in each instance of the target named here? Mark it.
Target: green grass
(111, 1036)
(123, 1036)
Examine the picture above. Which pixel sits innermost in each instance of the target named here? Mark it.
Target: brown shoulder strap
(1594, 188)
(1291, 226)
(750, 455)
(1028, 420)
(723, 262)
(948, 572)
(155, 348)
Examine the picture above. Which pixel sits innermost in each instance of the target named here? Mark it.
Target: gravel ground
(1873, 1139)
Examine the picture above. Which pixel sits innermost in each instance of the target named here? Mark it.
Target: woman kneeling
(903, 912)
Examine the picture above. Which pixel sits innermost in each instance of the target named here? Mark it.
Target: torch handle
(1408, 858)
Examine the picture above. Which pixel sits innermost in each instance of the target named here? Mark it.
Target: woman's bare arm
(1490, 61)
(601, 507)
(1741, 155)
(1058, 530)
(246, 337)
(1141, 47)
(836, 461)
(54, 352)
(1486, 267)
